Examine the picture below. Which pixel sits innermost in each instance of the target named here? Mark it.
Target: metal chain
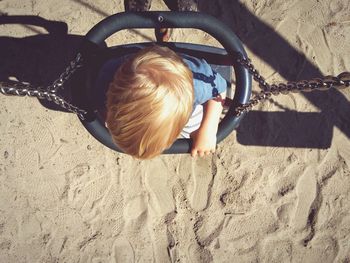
(71, 68)
(49, 93)
(324, 83)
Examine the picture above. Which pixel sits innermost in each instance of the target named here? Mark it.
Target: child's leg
(163, 34)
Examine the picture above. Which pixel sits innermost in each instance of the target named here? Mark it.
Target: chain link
(324, 83)
(49, 93)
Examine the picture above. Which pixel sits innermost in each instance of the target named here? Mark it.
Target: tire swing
(95, 54)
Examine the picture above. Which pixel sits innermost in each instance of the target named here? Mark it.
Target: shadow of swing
(40, 59)
(37, 59)
(306, 130)
(286, 129)
(104, 14)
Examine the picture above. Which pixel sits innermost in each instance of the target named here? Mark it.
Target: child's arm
(204, 139)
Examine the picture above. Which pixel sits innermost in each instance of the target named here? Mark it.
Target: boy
(152, 97)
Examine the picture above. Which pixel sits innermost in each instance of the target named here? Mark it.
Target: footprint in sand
(202, 176)
(122, 251)
(277, 250)
(135, 207)
(134, 198)
(193, 253)
(306, 190)
(156, 183)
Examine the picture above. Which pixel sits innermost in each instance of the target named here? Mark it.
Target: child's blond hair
(149, 101)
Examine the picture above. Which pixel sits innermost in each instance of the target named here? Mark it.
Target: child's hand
(204, 142)
(204, 139)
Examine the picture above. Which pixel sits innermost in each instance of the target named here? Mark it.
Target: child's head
(149, 101)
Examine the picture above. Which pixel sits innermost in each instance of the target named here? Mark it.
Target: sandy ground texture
(277, 190)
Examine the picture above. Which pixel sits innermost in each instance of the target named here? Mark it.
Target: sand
(277, 190)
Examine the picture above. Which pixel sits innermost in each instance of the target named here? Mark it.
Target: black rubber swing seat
(87, 95)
